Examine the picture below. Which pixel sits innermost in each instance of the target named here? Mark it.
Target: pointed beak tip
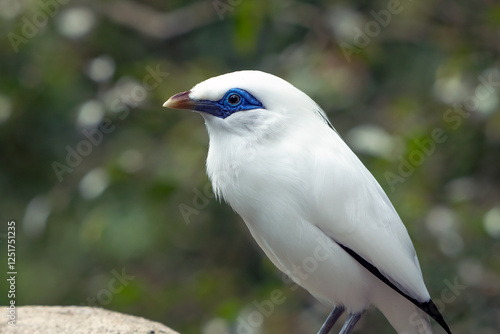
(179, 101)
(167, 103)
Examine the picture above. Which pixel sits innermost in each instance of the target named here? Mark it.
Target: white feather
(301, 190)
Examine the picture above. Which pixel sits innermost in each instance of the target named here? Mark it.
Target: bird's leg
(331, 320)
(350, 323)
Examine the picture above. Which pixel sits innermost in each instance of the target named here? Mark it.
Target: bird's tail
(405, 317)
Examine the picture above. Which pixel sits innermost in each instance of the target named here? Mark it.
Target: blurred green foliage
(69, 68)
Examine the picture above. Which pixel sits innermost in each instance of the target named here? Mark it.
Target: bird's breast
(252, 178)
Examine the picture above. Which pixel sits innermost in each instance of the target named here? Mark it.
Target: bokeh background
(103, 183)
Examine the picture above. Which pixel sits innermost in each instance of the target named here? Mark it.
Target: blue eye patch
(233, 101)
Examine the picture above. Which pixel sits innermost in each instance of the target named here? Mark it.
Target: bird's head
(247, 102)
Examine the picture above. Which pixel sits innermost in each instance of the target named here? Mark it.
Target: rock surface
(76, 320)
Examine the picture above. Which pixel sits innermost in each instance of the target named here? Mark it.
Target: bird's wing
(352, 209)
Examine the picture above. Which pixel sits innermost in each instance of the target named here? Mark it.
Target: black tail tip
(431, 309)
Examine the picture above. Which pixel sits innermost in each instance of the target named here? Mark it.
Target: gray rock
(77, 320)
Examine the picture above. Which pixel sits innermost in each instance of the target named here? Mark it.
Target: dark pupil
(234, 99)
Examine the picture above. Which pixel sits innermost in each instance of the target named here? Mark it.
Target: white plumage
(306, 198)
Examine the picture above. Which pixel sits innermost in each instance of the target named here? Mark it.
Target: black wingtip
(431, 309)
(428, 307)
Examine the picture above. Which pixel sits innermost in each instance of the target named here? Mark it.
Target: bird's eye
(233, 99)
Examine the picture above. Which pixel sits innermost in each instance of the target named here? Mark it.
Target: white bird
(312, 206)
